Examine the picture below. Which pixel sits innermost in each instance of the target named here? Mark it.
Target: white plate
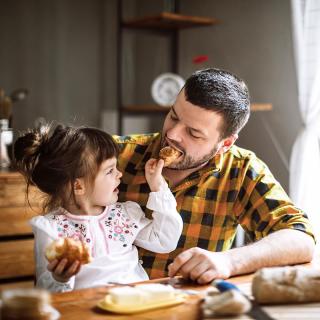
(165, 88)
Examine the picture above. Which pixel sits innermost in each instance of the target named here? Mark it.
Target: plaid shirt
(233, 188)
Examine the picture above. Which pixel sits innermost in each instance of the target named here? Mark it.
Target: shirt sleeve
(43, 236)
(262, 205)
(162, 233)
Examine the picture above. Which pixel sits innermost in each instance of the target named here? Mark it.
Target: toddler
(77, 169)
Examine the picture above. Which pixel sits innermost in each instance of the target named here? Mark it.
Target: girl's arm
(163, 232)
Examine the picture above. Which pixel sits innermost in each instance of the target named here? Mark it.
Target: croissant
(169, 155)
(69, 249)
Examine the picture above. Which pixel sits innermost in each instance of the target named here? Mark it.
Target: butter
(155, 292)
(125, 295)
(141, 294)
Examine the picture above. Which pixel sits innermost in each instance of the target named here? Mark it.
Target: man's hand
(153, 170)
(60, 272)
(280, 248)
(201, 265)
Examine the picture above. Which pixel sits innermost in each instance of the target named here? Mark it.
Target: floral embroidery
(70, 229)
(119, 226)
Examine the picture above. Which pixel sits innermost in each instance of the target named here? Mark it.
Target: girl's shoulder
(130, 208)
(124, 206)
(46, 219)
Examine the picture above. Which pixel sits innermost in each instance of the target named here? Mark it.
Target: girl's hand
(60, 272)
(153, 169)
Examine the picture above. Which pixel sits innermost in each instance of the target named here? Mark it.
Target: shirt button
(141, 261)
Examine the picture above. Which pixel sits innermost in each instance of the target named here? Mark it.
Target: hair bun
(28, 148)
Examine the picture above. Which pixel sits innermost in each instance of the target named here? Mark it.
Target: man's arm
(283, 247)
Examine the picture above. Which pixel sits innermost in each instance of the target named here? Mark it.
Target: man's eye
(174, 118)
(193, 136)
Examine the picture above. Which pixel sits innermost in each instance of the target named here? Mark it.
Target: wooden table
(81, 304)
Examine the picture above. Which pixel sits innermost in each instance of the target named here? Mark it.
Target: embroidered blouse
(111, 237)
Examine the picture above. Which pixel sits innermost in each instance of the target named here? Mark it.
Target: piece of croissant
(169, 155)
(69, 249)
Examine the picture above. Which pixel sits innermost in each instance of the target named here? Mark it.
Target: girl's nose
(119, 174)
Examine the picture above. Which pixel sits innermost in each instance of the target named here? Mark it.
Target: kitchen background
(65, 53)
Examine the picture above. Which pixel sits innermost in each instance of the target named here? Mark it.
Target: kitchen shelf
(169, 21)
(153, 108)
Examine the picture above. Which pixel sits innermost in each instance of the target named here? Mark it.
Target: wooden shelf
(169, 21)
(261, 107)
(144, 108)
(153, 108)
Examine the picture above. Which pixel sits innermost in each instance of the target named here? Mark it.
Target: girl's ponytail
(27, 150)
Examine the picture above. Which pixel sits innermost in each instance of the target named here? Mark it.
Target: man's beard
(189, 162)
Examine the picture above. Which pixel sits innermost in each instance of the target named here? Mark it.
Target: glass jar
(6, 137)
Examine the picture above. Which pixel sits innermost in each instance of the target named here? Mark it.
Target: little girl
(77, 169)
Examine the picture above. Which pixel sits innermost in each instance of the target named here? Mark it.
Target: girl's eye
(110, 171)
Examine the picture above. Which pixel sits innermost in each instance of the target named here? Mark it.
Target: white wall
(56, 49)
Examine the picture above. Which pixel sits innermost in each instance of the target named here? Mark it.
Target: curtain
(305, 157)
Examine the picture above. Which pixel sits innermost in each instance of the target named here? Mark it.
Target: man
(217, 186)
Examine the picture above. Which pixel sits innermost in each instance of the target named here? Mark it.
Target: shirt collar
(152, 151)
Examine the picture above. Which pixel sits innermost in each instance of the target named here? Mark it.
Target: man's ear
(227, 143)
(79, 187)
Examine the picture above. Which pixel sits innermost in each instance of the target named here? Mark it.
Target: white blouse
(111, 238)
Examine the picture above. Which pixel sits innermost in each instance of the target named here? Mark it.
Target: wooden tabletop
(81, 304)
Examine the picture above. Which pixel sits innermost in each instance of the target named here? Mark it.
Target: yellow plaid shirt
(234, 188)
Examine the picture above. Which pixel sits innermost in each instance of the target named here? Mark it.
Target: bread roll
(169, 155)
(227, 303)
(286, 285)
(69, 249)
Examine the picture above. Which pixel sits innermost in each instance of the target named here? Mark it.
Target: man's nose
(175, 132)
(119, 174)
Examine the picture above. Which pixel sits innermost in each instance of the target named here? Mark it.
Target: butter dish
(144, 297)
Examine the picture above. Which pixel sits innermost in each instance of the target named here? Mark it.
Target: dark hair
(53, 158)
(223, 93)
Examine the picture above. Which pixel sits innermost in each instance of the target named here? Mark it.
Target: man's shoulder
(241, 153)
(137, 139)
(248, 159)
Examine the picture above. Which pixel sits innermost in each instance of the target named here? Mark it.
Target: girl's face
(105, 191)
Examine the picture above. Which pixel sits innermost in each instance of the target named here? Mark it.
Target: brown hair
(222, 92)
(53, 158)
